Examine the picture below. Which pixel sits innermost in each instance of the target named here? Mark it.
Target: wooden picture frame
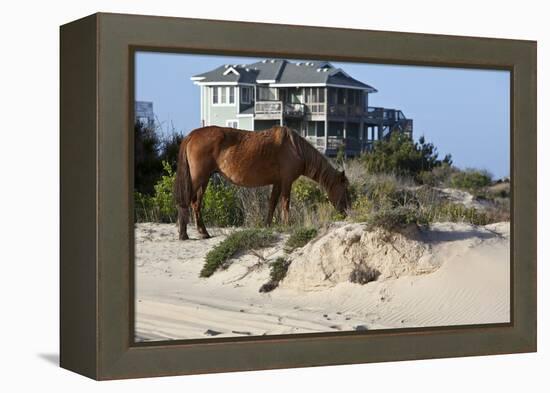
(96, 264)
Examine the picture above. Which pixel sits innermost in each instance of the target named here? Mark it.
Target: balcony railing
(317, 141)
(274, 109)
(294, 110)
(385, 116)
(268, 109)
(315, 108)
(345, 110)
(352, 146)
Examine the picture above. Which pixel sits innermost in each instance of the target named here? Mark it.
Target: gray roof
(280, 71)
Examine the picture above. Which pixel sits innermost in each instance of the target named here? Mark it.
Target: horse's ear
(343, 175)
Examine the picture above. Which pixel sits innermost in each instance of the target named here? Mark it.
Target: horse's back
(247, 158)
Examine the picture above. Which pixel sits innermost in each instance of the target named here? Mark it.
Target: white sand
(452, 274)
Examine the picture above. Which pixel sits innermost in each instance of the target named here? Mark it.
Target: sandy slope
(463, 279)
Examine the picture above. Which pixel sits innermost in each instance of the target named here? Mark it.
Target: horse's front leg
(285, 201)
(196, 205)
(275, 193)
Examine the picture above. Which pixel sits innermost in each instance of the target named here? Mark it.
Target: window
(333, 96)
(355, 97)
(267, 93)
(246, 95)
(321, 128)
(341, 97)
(223, 95)
(295, 96)
(215, 95)
(232, 123)
(314, 94)
(311, 128)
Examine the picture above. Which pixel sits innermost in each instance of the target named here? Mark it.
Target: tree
(170, 148)
(401, 155)
(147, 162)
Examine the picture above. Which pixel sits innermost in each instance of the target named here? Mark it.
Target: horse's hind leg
(196, 205)
(183, 219)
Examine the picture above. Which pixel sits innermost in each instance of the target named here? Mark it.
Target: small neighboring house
(144, 114)
(321, 102)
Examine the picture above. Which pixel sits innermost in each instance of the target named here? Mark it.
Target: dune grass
(277, 271)
(219, 257)
(299, 237)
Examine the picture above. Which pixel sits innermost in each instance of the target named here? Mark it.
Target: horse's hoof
(184, 237)
(204, 236)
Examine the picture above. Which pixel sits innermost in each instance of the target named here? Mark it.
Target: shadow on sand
(438, 236)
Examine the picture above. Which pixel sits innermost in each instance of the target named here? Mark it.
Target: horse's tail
(183, 187)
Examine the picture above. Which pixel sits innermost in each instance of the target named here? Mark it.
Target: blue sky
(464, 112)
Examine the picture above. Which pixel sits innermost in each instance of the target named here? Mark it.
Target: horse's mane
(316, 165)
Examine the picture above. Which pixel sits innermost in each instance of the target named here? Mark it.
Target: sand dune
(451, 274)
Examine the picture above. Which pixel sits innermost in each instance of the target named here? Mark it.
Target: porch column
(326, 132)
(345, 129)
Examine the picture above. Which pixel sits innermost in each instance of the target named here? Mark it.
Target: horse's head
(339, 193)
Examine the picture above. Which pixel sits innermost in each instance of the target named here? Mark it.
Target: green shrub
(143, 208)
(381, 189)
(220, 205)
(361, 209)
(471, 179)
(399, 217)
(277, 271)
(456, 212)
(163, 198)
(438, 176)
(248, 239)
(299, 237)
(160, 206)
(317, 216)
(307, 191)
(402, 156)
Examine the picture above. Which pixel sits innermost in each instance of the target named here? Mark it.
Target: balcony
(352, 146)
(345, 110)
(274, 110)
(267, 110)
(384, 116)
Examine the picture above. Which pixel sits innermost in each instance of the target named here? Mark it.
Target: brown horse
(276, 157)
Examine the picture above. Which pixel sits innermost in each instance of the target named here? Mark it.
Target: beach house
(321, 102)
